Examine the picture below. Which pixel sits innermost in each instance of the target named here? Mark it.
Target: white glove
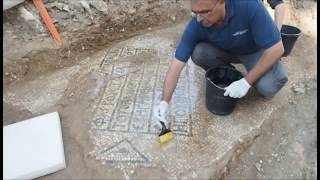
(237, 89)
(160, 113)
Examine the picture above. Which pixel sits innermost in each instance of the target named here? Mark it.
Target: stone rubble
(258, 167)
(299, 88)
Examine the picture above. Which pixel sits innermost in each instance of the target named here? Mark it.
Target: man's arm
(171, 79)
(279, 11)
(190, 37)
(268, 58)
(169, 86)
(279, 15)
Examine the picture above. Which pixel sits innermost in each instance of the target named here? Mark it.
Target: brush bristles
(166, 137)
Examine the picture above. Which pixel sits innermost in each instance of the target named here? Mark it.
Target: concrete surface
(106, 115)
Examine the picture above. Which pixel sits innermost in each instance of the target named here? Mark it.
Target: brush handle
(163, 125)
(164, 129)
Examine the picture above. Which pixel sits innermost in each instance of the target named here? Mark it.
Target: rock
(269, 161)
(58, 5)
(240, 140)
(32, 21)
(251, 153)
(173, 18)
(293, 102)
(49, 1)
(25, 14)
(260, 161)
(86, 6)
(299, 90)
(66, 8)
(100, 6)
(55, 21)
(132, 10)
(258, 167)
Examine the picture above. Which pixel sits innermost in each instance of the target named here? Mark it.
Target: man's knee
(269, 89)
(198, 53)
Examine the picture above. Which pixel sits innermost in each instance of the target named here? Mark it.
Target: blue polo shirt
(247, 28)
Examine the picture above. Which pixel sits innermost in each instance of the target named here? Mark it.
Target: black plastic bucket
(217, 79)
(289, 35)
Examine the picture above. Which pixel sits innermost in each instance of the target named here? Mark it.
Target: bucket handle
(214, 83)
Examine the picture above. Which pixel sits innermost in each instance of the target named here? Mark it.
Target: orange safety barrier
(47, 20)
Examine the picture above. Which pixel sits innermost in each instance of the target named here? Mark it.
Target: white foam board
(33, 147)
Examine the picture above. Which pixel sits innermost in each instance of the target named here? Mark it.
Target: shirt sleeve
(188, 41)
(264, 30)
(274, 3)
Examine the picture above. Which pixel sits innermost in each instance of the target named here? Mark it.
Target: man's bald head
(209, 12)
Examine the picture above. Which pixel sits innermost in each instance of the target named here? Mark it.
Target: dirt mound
(85, 27)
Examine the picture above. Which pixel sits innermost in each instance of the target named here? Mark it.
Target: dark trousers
(208, 56)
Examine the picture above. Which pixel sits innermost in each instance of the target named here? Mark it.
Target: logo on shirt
(240, 32)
